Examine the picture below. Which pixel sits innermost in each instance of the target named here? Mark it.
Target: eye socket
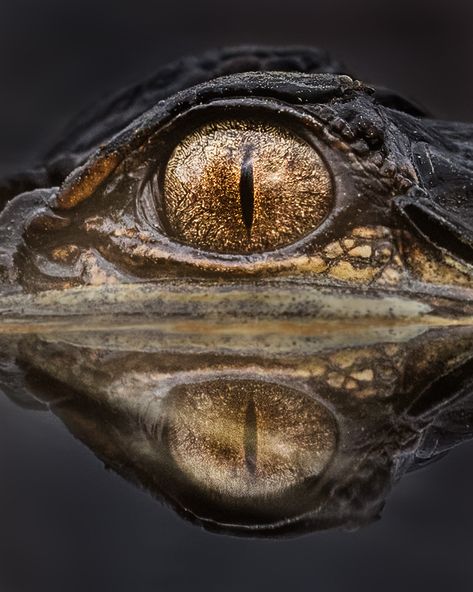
(241, 187)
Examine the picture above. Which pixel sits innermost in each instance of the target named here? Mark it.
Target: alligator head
(229, 216)
(264, 175)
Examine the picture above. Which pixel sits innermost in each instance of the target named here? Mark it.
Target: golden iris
(245, 438)
(245, 187)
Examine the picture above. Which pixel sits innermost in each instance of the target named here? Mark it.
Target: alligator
(247, 284)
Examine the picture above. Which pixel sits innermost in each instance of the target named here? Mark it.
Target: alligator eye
(244, 187)
(247, 438)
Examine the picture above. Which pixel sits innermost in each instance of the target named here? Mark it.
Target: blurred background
(66, 524)
(57, 56)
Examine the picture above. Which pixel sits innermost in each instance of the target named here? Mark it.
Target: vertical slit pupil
(247, 192)
(251, 437)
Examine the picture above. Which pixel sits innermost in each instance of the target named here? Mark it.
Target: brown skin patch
(370, 256)
(434, 266)
(86, 180)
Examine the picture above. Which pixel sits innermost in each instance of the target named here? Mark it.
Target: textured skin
(98, 123)
(397, 172)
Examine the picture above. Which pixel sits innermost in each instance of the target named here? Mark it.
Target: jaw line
(236, 306)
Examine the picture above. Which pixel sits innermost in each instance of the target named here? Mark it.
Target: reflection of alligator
(234, 225)
(256, 443)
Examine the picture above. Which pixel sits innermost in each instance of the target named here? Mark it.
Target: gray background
(58, 55)
(68, 525)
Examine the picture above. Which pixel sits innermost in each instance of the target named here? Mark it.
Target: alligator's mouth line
(180, 307)
(301, 328)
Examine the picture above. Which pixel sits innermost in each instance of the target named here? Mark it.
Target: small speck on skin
(391, 276)
(366, 375)
(391, 349)
(385, 252)
(311, 264)
(348, 243)
(333, 250)
(345, 358)
(365, 393)
(369, 232)
(66, 254)
(335, 380)
(363, 251)
(345, 271)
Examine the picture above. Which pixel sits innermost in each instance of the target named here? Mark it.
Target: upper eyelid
(83, 181)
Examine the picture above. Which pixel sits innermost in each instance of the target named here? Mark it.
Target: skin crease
(256, 276)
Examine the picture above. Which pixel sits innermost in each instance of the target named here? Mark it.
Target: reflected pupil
(251, 437)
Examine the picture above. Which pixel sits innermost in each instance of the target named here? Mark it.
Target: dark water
(66, 523)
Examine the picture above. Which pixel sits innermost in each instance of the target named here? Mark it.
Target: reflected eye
(244, 438)
(244, 187)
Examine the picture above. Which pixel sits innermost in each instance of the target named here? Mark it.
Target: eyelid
(268, 89)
